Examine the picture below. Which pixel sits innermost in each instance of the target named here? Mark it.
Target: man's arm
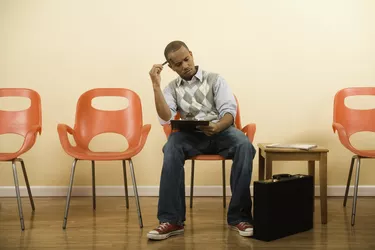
(225, 101)
(222, 124)
(162, 107)
(226, 105)
(226, 121)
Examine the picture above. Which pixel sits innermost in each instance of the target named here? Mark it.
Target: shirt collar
(198, 75)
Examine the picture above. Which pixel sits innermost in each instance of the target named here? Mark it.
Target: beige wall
(284, 60)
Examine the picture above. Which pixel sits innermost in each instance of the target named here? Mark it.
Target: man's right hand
(162, 108)
(155, 75)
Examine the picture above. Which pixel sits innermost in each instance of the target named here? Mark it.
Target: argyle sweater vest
(196, 98)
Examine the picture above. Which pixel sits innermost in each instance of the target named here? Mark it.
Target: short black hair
(173, 46)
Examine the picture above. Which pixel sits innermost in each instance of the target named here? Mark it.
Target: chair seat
(208, 157)
(86, 154)
(366, 153)
(8, 156)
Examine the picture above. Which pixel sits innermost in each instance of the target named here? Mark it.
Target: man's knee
(244, 143)
(174, 142)
(248, 146)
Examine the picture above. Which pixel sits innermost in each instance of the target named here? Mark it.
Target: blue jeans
(231, 144)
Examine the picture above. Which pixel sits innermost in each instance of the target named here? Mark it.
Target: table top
(318, 149)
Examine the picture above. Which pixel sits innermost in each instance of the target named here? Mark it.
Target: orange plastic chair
(90, 122)
(26, 123)
(348, 121)
(249, 131)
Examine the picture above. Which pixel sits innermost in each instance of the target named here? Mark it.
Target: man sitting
(205, 96)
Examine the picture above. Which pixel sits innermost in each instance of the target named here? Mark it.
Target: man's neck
(195, 72)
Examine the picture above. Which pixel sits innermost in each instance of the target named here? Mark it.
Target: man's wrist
(224, 123)
(219, 126)
(156, 88)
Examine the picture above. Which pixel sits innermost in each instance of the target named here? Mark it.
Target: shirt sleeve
(224, 98)
(171, 102)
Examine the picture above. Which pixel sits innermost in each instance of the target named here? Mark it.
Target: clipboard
(187, 125)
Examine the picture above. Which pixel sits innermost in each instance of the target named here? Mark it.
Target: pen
(164, 63)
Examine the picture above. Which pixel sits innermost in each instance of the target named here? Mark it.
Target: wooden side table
(268, 155)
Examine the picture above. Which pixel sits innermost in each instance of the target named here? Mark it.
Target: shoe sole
(242, 233)
(164, 236)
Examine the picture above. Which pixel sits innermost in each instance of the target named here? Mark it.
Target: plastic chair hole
(360, 102)
(110, 103)
(10, 143)
(14, 103)
(108, 142)
(363, 140)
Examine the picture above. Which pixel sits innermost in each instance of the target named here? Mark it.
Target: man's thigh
(230, 138)
(188, 141)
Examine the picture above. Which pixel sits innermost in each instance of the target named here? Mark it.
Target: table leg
(311, 165)
(323, 186)
(268, 168)
(260, 166)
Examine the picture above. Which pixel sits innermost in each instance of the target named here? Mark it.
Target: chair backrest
(21, 121)
(237, 122)
(90, 122)
(353, 120)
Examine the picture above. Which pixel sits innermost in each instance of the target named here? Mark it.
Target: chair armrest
(63, 131)
(343, 136)
(144, 134)
(30, 139)
(142, 140)
(249, 131)
(167, 129)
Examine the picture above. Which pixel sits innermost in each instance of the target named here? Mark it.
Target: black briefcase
(283, 206)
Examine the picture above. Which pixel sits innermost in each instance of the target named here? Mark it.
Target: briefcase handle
(281, 176)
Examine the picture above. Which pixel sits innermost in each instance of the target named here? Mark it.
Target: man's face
(182, 62)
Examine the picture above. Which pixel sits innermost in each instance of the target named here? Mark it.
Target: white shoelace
(163, 226)
(243, 224)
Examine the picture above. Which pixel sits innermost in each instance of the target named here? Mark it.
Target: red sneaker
(244, 228)
(164, 231)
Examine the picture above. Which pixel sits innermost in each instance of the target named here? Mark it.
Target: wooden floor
(112, 226)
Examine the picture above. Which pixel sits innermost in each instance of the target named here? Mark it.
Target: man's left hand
(210, 130)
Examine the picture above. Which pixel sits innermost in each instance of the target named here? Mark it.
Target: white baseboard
(40, 191)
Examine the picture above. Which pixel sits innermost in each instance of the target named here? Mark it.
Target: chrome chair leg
(27, 184)
(192, 183)
(136, 193)
(125, 183)
(93, 185)
(69, 193)
(356, 190)
(224, 191)
(349, 180)
(20, 212)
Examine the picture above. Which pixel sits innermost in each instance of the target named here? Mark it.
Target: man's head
(180, 59)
